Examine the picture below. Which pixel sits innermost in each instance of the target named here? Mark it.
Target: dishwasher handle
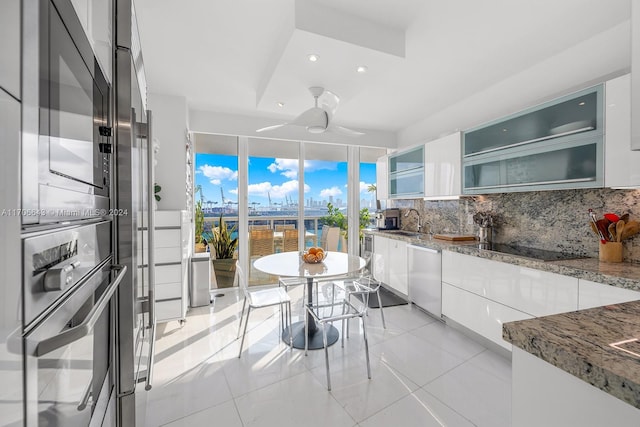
(422, 248)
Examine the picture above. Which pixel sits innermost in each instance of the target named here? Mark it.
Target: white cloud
(217, 174)
(264, 189)
(234, 191)
(333, 191)
(289, 167)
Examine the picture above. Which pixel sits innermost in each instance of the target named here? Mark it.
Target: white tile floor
(424, 373)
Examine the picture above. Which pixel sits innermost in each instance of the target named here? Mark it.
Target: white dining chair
(261, 298)
(333, 310)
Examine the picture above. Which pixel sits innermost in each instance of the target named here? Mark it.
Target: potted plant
(223, 248)
(200, 242)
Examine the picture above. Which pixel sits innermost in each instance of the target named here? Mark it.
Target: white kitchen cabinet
(406, 173)
(543, 395)
(398, 279)
(593, 294)
(620, 162)
(442, 173)
(482, 294)
(96, 19)
(381, 259)
(171, 253)
(481, 315)
(390, 263)
(382, 178)
(10, 47)
(535, 292)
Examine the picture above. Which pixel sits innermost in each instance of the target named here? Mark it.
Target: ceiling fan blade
(344, 131)
(271, 127)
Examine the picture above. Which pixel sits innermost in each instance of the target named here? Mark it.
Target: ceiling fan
(318, 118)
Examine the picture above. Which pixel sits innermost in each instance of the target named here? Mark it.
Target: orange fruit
(313, 250)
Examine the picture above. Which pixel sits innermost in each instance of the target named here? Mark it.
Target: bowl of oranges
(314, 255)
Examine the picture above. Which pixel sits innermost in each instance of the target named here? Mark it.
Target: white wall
(170, 130)
(592, 61)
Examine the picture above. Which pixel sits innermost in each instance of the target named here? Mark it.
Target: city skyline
(273, 182)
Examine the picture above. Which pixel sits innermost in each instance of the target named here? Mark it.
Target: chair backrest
(260, 242)
(282, 227)
(290, 240)
(259, 227)
(240, 279)
(330, 237)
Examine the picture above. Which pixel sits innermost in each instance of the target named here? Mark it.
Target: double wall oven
(70, 281)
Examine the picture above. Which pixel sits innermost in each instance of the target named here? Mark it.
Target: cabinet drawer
(536, 292)
(166, 255)
(167, 238)
(168, 310)
(481, 315)
(168, 273)
(168, 291)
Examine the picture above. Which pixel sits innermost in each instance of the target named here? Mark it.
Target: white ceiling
(424, 56)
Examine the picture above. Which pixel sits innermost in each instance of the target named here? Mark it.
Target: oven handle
(85, 328)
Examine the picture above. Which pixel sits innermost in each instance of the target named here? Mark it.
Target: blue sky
(277, 178)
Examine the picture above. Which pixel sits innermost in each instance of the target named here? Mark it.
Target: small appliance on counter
(388, 219)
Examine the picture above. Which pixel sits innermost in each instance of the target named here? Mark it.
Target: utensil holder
(485, 234)
(611, 252)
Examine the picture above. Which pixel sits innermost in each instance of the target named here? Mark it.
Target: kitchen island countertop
(578, 342)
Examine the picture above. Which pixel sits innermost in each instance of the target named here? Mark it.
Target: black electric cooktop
(523, 251)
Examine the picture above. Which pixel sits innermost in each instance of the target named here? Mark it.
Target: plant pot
(225, 270)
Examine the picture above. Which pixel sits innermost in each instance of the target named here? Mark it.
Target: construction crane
(199, 190)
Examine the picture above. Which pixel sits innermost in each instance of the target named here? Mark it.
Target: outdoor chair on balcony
(260, 299)
(259, 227)
(289, 240)
(282, 227)
(330, 238)
(260, 242)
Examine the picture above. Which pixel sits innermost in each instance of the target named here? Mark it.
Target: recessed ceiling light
(362, 69)
(280, 104)
(504, 130)
(582, 103)
(313, 57)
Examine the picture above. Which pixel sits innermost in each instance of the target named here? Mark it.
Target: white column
(243, 203)
(353, 198)
(301, 228)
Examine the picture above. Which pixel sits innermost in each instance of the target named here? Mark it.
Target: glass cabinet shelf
(407, 160)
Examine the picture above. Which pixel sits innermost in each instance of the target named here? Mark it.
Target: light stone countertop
(578, 343)
(622, 275)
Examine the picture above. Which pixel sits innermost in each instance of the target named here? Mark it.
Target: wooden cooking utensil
(630, 229)
(612, 231)
(619, 230)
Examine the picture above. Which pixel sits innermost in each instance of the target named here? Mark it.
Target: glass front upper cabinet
(406, 174)
(555, 145)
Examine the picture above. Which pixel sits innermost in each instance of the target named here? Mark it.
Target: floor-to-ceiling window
(288, 203)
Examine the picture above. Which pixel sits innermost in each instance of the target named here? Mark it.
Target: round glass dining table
(290, 264)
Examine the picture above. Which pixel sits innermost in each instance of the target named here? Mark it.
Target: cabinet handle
(559, 181)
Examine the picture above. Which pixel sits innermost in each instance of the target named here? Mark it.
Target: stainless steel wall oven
(67, 145)
(69, 337)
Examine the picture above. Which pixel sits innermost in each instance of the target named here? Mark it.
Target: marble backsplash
(553, 220)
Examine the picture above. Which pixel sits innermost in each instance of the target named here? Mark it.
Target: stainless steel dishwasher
(425, 278)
